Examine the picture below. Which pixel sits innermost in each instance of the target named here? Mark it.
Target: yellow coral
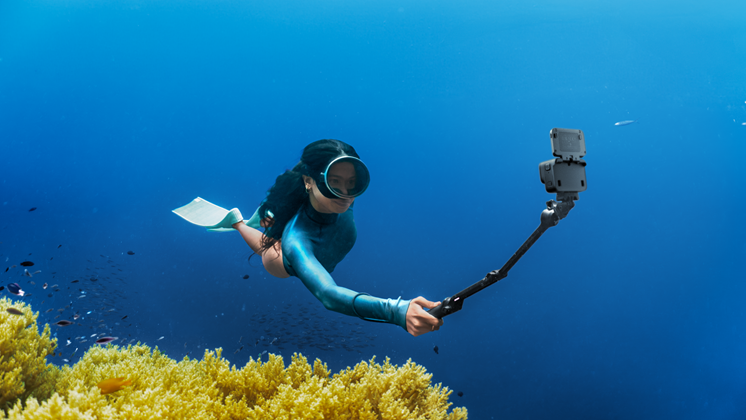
(23, 369)
(213, 389)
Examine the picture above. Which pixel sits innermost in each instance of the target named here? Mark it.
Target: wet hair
(288, 194)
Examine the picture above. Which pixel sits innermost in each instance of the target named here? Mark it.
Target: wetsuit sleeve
(339, 299)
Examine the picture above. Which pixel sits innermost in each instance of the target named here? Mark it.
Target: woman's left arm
(409, 315)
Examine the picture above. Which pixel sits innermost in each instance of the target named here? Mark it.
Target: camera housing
(565, 175)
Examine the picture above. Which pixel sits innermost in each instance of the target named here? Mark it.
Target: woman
(309, 229)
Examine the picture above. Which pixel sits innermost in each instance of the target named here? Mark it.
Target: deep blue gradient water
(114, 113)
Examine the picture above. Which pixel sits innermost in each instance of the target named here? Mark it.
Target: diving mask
(344, 177)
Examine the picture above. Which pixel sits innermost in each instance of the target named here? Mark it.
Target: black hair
(288, 194)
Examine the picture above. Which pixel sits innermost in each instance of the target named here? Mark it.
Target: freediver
(309, 229)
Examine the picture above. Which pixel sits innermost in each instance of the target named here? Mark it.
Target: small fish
(59, 246)
(26, 273)
(625, 122)
(460, 394)
(162, 337)
(104, 340)
(246, 276)
(74, 281)
(50, 310)
(124, 317)
(69, 342)
(32, 209)
(435, 349)
(1, 288)
(15, 289)
(44, 286)
(14, 311)
(113, 385)
(63, 323)
(36, 272)
(76, 316)
(27, 264)
(130, 253)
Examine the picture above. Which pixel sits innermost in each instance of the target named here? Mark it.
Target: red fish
(113, 385)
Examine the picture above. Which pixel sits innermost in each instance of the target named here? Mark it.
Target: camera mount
(564, 175)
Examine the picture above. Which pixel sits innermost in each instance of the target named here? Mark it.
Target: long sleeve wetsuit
(313, 244)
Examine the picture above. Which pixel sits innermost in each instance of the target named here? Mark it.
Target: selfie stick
(567, 169)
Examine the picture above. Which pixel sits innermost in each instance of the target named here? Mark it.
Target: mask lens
(346, 177)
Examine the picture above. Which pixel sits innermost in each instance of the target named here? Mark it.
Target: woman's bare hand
(420, 322)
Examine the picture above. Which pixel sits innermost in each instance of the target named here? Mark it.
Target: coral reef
(23, 368)
(211, 388)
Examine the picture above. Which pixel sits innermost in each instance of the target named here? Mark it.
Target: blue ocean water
(114, 113)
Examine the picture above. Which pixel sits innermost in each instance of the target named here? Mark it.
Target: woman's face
(341, 177)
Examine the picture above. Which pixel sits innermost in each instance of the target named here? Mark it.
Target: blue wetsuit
(313, 244)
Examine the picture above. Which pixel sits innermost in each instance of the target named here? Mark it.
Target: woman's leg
(271, 258)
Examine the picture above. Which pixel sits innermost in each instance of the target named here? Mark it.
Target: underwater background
(113, 113)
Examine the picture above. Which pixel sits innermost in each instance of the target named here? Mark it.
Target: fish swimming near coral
(113, 385)
(27, 264)
(625, 122)
(104, 340)
(14, 311)
(63, 323)
(15, 288)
